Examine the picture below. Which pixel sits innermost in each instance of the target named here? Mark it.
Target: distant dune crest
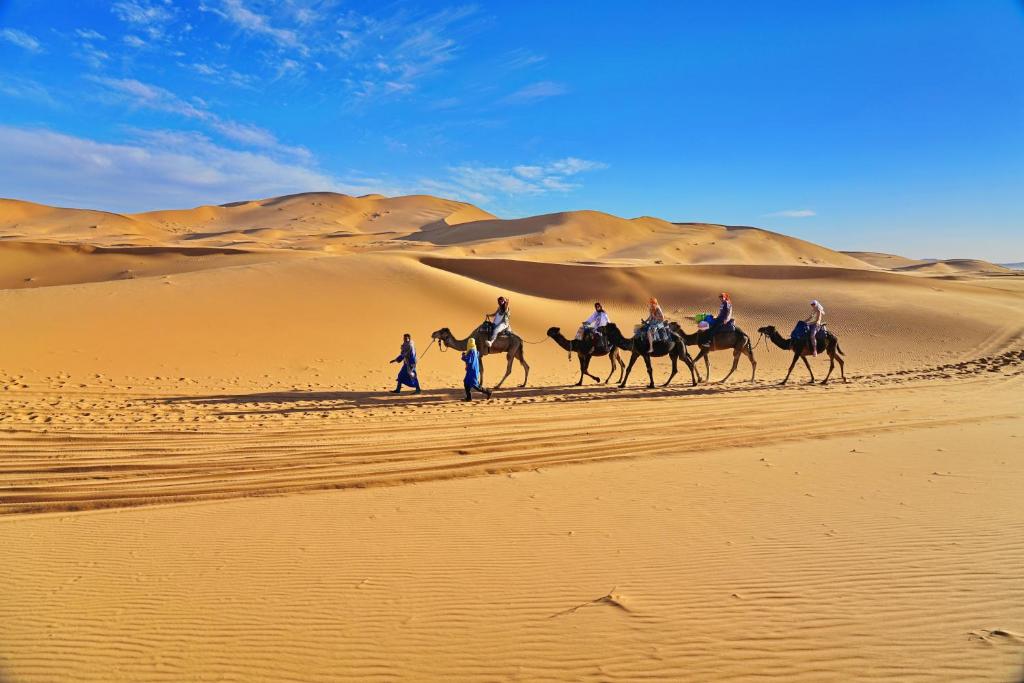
(330, 223)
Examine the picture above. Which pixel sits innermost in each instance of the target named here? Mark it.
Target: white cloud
(481, 184)
(156, 98)
(21, 39)
(534, 92)
(391, 56)
(142, 12)
(254, 136)
(520, 59)
(134, 41)
(27, 89)
(157, 169)
(89, 34)
(572, 166)
(792, 213)
(235, 12)
(152, 97)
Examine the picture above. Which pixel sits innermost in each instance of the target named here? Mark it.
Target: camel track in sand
(111, 450)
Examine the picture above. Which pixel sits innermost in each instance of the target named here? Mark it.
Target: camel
(735, 339)
(511, 344)
(803, 350)
(585, 350)
(674, 349)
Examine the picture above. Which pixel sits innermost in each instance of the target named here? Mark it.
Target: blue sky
(890, 126)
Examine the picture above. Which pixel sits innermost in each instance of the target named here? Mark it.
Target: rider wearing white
(815, 321)
(596, 321)
(500, 319)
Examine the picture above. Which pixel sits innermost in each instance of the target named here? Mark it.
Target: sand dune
(930, 266)
(202, 475)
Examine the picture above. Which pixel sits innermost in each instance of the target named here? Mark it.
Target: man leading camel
(407, 357)
(471, 382)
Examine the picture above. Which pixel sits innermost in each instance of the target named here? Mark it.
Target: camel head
(767, 329)
(441, 333)
(554, 332)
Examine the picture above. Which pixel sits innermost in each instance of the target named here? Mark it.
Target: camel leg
(591, 376)
(831, 366)
(675, 368)
(622, 364)
(689, 364)
(629, 369)
(508, 370)
(521, 357)
(611, 356)
(811, 372)
(586, 369)
(791, 366)
(735, 362)
(650, 370)
(583, 368)
(703, 353)
(707, 366)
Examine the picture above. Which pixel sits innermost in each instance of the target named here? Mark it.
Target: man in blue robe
(471, 382)
(407, 375)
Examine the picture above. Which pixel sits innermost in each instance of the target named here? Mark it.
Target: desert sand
(203, 477)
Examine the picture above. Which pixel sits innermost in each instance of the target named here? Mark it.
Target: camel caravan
(654, 337)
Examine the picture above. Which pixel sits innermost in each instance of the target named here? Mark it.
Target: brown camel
(637, 346)
(510, 344)
(585, 350)
(802, 349)
(735, 339)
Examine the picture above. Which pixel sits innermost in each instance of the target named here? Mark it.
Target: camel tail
(839, 349)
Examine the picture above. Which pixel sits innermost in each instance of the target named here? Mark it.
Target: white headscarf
(817, 305)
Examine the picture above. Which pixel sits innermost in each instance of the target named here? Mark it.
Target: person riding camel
(655, 321)
(723, 318)
(814, 322)
(471, 382)
(500, 320)
(594, 324)
(407, 357)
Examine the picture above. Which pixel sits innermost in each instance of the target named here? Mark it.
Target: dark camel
(802, 349)
(637, 346)
(736, 339)
(585, 350)
(510, 344)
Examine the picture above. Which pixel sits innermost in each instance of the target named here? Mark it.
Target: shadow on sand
(299, 401)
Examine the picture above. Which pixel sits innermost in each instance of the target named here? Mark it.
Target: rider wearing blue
(723, 318)
(472, 380)
(407, 357)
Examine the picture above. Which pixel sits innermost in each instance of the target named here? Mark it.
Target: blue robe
(472, 360)
(407, 375)
(724, 314)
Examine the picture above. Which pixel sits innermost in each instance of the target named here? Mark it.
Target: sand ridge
(202, 475)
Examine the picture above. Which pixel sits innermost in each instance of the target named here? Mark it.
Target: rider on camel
(500, 320)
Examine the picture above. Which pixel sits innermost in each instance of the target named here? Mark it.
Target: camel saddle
(802, 329)
(597, 338)
(487, 327)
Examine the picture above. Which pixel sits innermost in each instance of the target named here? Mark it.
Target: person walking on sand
(407, 357)
(472, 380)
(814, 322)
(500, 320)
(655, 320)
